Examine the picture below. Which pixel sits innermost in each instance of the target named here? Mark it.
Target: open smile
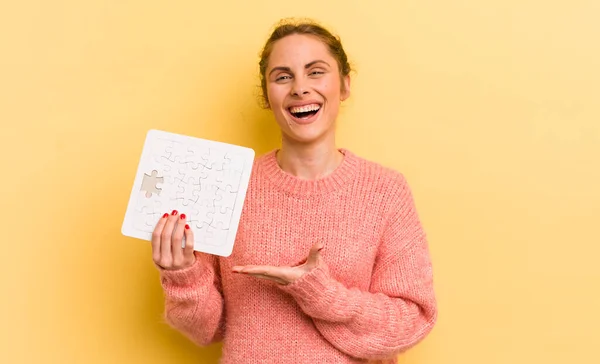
(305, 113)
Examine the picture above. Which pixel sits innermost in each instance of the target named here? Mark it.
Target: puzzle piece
(176, 176)
(222, 220)
(225, 200)
(234, 163)
(207, 217)
(149, 183)
(230, 172)
(150, 211)
(189, 191)
(212, 159)
(193, 158)
(230, 178)
(209, 180)
(194, 214)
(205, 225)
(207, 196)
(220, 225)
(176, 152)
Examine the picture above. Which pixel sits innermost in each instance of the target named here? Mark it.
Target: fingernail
(174, 212)
(165, 215)
(187, 226)
(182, 216)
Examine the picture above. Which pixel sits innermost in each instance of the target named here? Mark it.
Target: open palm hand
(284, 275)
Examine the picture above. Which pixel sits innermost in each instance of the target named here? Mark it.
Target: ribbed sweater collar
(290, 184)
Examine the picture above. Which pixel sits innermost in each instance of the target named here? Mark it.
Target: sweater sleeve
(194, 300)
(398, 310)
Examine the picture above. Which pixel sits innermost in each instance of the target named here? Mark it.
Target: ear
(345, 88)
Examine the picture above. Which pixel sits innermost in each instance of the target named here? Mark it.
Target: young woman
(331, 263)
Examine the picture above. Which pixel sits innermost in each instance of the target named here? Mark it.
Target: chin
(305, 134)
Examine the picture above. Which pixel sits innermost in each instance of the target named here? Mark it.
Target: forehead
(298, 49)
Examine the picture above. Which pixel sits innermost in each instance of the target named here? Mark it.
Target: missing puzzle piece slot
(149, 184)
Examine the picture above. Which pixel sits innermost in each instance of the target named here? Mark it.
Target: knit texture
(369, 300)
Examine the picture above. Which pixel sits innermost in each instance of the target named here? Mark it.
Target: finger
(285, 274)
(269, 278)
(241, 269)
(166, 256)
(156, 234)
(281, 274)
(254, 269)
(188, 251)
(176, 241)
(314, 254)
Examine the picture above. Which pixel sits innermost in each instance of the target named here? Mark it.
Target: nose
(299, 88)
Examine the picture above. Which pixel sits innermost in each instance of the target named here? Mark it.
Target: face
(304, 88)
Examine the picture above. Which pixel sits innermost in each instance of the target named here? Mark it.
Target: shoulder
(380, 176)
(387, 189)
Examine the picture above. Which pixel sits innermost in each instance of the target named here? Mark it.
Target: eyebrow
(287, 69)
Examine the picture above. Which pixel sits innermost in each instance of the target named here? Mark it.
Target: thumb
(314, 255)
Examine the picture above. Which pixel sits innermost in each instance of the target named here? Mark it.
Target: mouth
(304, 112)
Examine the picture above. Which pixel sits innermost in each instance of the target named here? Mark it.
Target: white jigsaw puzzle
(204, 179)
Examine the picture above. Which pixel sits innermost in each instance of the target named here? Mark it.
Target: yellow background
(491, 109)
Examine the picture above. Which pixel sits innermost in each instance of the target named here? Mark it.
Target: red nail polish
(174, 212)
(187, 226)
(182, 216)
(165, 215)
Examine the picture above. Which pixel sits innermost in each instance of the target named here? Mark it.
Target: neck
(309, 161)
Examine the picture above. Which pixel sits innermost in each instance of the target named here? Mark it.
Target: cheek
(332, 92)
(330, 89)
(276, 95)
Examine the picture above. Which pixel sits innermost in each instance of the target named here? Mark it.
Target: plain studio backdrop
(490, 109)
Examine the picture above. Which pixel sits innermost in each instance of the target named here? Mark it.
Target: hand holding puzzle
(206, 180)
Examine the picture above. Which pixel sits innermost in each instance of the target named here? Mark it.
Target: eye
(282, 77)
(316, 72)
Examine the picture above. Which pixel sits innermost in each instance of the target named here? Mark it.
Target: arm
(194, 301)
(400, 308)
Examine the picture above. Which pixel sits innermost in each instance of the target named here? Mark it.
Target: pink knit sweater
(371, 299)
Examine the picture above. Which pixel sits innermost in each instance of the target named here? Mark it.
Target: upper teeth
(305, 108)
